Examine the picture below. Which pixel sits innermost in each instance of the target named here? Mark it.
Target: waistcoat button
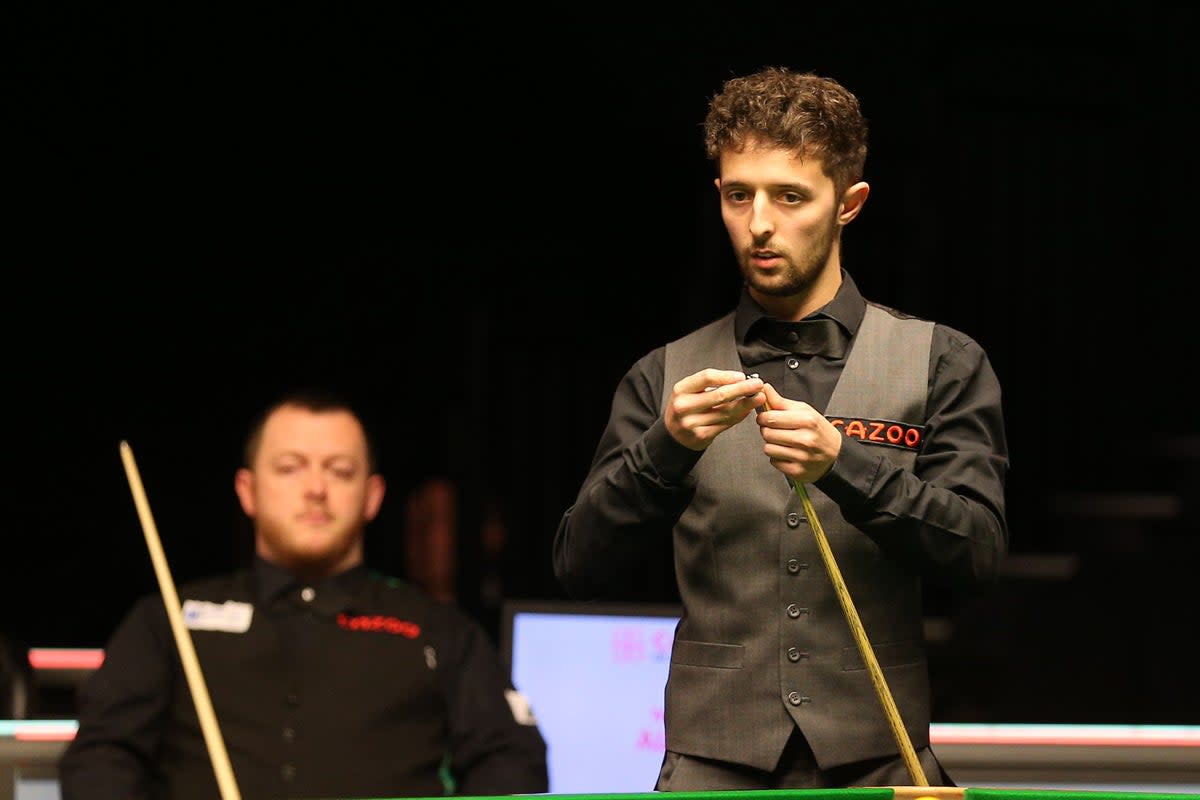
(793, 520)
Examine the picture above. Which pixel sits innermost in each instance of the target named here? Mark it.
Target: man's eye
(737, 197)
(791, 198)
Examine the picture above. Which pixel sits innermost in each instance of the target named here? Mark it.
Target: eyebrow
(322, 459)
(802, 188)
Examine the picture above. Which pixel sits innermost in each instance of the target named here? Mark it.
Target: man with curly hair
(891, 427)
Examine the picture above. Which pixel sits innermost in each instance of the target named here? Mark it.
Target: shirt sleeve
(121, 711)
(617, 534)
(946, 517)
(496, 747)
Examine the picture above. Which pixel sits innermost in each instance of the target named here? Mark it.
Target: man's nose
(761, 223)
(314, 483)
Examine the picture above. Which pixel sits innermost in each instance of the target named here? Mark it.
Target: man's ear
(852, 202)
(243, 485)
(376, 488)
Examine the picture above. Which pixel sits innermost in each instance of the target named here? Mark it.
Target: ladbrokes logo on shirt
(377, 623)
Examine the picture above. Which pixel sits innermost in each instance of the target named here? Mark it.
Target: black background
(476, 220)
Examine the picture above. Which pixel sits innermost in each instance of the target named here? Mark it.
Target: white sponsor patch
(519, 704)
(230, 616)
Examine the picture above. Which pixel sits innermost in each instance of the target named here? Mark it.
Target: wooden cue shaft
(864, 644)
(183, 639)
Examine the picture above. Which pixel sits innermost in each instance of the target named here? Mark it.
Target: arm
(122, 707)
(639, 483)
(946, 517)
(495, 745)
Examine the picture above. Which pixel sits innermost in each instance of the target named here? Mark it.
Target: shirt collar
(333, 593)
(846, 309)
(826, 333)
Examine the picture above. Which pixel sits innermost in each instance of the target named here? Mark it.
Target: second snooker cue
(860, 638)
(183, 640)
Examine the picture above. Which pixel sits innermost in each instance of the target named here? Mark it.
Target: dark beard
(799, 280)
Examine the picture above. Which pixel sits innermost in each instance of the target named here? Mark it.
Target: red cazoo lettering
(882, 431)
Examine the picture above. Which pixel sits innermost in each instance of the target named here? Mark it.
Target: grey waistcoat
(763, 645)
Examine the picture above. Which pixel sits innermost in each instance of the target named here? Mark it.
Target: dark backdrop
(477, 220)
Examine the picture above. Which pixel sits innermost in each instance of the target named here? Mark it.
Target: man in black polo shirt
(326, 679)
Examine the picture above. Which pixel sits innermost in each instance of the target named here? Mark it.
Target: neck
(315, 569)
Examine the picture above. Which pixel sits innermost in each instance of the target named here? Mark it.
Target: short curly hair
(811, 115)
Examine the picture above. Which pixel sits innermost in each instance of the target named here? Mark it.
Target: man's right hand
(708, 402)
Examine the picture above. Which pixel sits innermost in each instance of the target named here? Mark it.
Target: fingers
(724, 393)
(708, 402)
(721, 415)
(797, 438)
(747, 393)
(779, 412)
(788, 423)
(719, 385)
(774, 398)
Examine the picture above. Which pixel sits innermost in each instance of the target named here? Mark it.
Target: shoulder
(643, 378)
(216, 588)
(227, 586)
(717, 325)
(648, 368)
(898, 315)
(953, 344)
(647, 372)
(947, 340)
(145, 623)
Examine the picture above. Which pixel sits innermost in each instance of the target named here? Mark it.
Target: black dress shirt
(638, 483)
(358, 685)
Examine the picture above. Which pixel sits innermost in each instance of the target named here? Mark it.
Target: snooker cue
(183, 640)
(864, 644)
